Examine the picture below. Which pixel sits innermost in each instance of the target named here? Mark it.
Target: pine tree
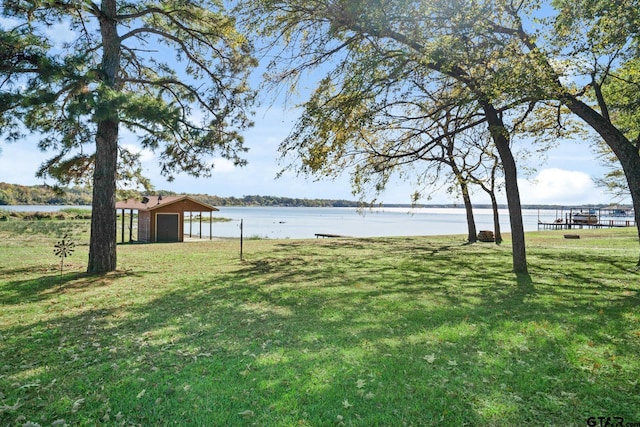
(173, 72)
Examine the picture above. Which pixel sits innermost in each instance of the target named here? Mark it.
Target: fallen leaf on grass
(142, 393)
(247, 414)
(76, 405)
(430, 358)
(346, 404)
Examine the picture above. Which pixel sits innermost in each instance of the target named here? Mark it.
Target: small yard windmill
(63, 249)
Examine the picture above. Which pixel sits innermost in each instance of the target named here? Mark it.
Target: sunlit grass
(389, 331)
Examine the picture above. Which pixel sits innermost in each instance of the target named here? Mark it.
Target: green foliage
(174, 73)
(363, 332)
(174, 61)
(510, 59)
(598, 26)
(20, 54)
(621, 91)
(256, 200)
(607, 34)
(626, 115)
(35, 226)
(394, 71)
(63, 214)
(614, 180)
(14, 194)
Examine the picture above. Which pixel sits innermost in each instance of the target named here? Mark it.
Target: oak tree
(377, 53)
(575, 49)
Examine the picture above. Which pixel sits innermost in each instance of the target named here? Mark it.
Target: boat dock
(572, 226)
(589, 218)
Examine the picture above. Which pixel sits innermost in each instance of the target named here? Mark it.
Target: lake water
(282, 223)
(299, 222)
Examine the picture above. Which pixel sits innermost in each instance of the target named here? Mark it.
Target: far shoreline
(374, 206)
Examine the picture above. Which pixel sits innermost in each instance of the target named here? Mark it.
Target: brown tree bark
(472, 236)
(501, 140)
(496, 219)
(102, 247)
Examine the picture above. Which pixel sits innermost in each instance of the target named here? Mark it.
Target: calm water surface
(282, 223)
(295, 223)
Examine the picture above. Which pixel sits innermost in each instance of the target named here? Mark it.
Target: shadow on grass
(40, 288)
(525, 284)
(305, 335)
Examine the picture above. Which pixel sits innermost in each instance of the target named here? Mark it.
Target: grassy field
(356, 332)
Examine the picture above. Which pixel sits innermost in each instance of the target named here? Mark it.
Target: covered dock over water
(578, 218)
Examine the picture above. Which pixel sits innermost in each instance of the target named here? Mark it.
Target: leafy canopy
(180, 87)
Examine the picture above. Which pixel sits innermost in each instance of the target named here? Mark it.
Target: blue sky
(566, 177)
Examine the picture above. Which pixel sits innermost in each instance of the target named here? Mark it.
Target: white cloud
(562, 187)
(221, 165)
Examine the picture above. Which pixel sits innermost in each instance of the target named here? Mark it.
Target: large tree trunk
(102, 247)
(501, 140)
(625, 151)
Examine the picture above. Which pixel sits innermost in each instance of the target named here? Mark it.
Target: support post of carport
(130, 225)
(122, 210)
(200, 230)
(210, 225)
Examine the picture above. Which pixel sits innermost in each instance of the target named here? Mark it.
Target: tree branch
(184, 48)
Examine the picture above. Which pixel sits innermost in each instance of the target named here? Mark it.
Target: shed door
(167, 229)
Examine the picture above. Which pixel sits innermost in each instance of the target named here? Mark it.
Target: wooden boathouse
(162, 218)
(578, 218)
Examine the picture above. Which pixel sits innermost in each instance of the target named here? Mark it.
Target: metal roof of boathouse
(149, 203)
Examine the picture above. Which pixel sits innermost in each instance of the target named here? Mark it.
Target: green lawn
(365, 332)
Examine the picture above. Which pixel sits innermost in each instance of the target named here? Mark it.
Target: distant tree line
(272, 201)
(14, 194)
